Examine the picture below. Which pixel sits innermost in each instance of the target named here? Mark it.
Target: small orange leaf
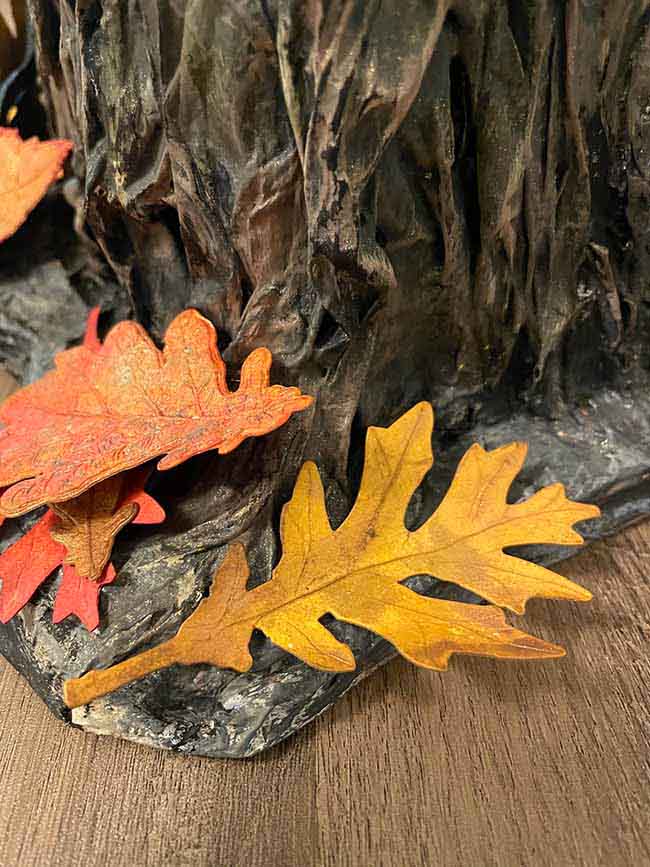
(108, 409)
(88, 524)
(356, 571)
(27, 168)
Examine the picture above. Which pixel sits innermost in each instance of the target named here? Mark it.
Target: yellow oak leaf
(355, 572)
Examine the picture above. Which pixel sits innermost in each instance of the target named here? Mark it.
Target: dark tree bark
(402, 200)
(468, 180)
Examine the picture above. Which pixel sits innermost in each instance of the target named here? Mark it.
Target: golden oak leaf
(27, 168)
(355, 572)
(109, 407)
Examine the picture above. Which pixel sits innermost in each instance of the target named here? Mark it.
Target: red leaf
(91, 340)
(149, 510)
(27, 168)
(26, 564)
(79, 596)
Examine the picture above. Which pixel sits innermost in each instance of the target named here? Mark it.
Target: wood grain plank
(69, 798)
(508, 764)
(491, 764)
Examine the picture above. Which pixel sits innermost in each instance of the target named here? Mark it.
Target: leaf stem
(82, 690)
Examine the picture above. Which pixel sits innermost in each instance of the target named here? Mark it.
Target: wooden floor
(516, 765)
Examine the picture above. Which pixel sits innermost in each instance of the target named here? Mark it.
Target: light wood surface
(504, 764)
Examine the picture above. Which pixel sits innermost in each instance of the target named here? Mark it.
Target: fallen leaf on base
(88, 524)
(109, 407)
(79, 596)
(27, 168)
(91, 339)
(26, 564)
(87, 539)
(356, 571)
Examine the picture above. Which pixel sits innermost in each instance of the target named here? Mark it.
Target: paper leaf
(26, 564)
(355, 572)
(104, 411)
(87, 537)
(88, 524)
(91, 339)
(27, 168)
(149, 510)
(80, 597)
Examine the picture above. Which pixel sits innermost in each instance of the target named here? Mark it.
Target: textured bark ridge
(419, 200)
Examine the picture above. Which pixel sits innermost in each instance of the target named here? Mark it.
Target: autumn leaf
(88, 524)
(80, 597)
(356, 571)
(107, 409)
(26, 564)
(91, 339)
(27, 168)
(149, 510)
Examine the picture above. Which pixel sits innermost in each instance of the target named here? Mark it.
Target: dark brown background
(489, 764)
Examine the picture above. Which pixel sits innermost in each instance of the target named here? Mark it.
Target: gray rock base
(601, 452)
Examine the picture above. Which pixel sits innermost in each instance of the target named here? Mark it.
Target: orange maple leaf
(109, 407)
(27, 168)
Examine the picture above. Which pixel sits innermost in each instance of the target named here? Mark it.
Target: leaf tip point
(583, 595)
(518, 447)
(552, 651)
